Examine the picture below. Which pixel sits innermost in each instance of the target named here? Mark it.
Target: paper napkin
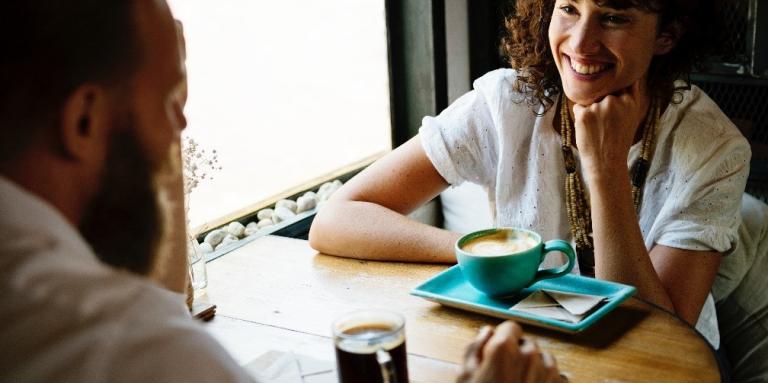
(562, 306)
(286, 367)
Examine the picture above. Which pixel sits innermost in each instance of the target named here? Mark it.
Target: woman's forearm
(620, 253)
(366, 230)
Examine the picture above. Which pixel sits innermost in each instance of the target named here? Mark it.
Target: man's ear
(668, 38)
(84, 122)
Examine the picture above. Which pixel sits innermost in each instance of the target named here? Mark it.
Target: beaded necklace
(579, 217)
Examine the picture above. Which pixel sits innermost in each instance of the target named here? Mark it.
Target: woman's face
(600, 50)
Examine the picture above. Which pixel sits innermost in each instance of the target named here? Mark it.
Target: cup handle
(388, 374)
(561, 246)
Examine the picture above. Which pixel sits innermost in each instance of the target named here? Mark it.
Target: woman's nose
(585, 37)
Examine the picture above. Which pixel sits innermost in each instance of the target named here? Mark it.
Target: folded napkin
(286, 367)
(562, 306)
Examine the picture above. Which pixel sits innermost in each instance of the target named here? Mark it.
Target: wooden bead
(577, 205)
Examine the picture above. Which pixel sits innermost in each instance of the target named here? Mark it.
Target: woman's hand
(606, 129)
(504, 355)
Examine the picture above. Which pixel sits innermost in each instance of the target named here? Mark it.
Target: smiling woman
(587, 137)
(526, 46)
(601, 50)
(285, 92)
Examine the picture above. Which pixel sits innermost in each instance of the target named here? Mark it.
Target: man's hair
(48, 48)
(526, 44)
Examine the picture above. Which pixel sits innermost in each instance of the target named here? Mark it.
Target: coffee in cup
(370, 347)
(500, 243)
(502, 261)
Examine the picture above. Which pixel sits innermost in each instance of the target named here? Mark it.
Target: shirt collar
(24, 212)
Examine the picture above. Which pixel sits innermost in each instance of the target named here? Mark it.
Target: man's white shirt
(68, 317)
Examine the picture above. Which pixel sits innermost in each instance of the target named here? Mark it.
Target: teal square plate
(451, 289)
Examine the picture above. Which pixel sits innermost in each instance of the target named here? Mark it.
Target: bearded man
(91, 96)
(92, 240)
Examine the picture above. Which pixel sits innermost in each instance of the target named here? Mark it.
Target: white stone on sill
(286, 203)
(236, 229)
(264, 214)
(205, 248)
(215, 237)
(327, 190)
(306, 203)
(227, 240)
(324, 188)
(264, 223)
(282, 214)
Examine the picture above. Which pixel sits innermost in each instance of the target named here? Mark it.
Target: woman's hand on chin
(605, 130)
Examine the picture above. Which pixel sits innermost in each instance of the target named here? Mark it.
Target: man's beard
(123, 223)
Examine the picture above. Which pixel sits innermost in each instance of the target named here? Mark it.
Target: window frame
(418, 84)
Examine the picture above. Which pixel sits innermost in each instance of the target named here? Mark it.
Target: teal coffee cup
(502, 261)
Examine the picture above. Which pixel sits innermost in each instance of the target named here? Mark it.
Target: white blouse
(491, 137)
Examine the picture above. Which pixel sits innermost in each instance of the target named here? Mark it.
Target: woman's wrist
(609, 173)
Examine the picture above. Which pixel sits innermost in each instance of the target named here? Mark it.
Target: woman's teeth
(587, 69)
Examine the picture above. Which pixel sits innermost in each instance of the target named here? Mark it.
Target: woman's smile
(587, 70)
(599, 50)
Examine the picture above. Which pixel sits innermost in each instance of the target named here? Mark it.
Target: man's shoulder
(174, 346)
(121, 327)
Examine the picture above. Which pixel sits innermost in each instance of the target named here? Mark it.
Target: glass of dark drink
(370, 347)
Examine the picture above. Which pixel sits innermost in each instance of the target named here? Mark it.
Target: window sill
(297, 227)
(293, 227)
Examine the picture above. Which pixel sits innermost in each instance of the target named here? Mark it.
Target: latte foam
(500, 243)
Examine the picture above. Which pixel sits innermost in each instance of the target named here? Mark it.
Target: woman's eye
(614, 19)
(568, 9)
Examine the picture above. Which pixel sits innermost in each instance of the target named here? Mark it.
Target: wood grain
(248, 341)
(282, 283)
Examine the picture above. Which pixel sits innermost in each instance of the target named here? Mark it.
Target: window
(283, 91)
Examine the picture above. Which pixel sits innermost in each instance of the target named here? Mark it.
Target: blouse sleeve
(703, 211)
(462, 141)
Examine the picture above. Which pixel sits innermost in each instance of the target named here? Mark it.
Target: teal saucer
(449, 288)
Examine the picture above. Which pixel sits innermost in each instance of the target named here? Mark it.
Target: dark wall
(416, 34)
(486, 27)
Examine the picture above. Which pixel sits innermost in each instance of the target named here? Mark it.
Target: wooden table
(278, 293)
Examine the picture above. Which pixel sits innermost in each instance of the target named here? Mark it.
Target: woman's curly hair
(526, 44)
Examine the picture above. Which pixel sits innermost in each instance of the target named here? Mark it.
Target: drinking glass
(370, 347)
(197, 272)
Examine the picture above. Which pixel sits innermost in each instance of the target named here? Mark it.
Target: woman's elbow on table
(322, 233)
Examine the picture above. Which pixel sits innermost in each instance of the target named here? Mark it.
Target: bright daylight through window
(284, 92)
